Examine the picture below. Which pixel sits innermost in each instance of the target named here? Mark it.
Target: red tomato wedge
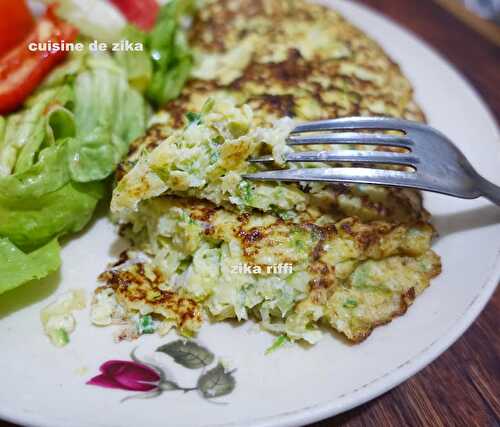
(22, 70)
(142, 13)
(16, 22)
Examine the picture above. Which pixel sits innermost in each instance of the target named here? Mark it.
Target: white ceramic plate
(45, 386)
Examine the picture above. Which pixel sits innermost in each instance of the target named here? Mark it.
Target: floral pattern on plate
(150, 380)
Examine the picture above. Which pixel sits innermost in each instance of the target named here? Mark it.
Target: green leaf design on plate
(216, 382)
(188, 354)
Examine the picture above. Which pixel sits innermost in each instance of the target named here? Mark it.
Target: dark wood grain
(477, 58)
(488, 29)
(462, 387)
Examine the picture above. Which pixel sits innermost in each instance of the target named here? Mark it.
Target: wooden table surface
(462, 387)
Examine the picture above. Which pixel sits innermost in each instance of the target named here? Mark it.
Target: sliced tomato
(22, 70)
(142, 13)
(16, 21)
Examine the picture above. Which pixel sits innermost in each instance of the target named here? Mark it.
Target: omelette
(299, 259)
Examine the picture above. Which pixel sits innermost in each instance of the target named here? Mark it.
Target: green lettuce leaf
(172, 58)
(138, 65)
(31, 223)
(162, 69)
(55, 157)
(25, 133)
(58, 151)
(48, 174)
(109, 114)
(18, 267)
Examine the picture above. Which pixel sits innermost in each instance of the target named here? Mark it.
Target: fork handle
(489, 190)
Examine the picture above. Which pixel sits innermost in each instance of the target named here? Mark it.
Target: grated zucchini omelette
(359, 254)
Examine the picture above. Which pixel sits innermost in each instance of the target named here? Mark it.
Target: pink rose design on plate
(126, 375)
(150, 380)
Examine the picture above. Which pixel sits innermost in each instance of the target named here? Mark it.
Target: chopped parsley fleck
(185, 217)
(184, 264)
(285, 215)
(282, 213)
(350, 303)
(298, 239)
(145, 325)
(246, 191)
(193, 117)
(214, 157)
(61, 337)
(278, 342)
(218, 140)
(213, 152)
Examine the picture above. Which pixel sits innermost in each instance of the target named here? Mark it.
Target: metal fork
(437, 164)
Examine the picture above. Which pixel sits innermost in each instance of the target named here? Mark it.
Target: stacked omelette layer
(359, 255)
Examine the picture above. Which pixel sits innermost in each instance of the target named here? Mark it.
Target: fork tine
(352, 123)
(352, 138)
(350, 175)
(346, 156)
